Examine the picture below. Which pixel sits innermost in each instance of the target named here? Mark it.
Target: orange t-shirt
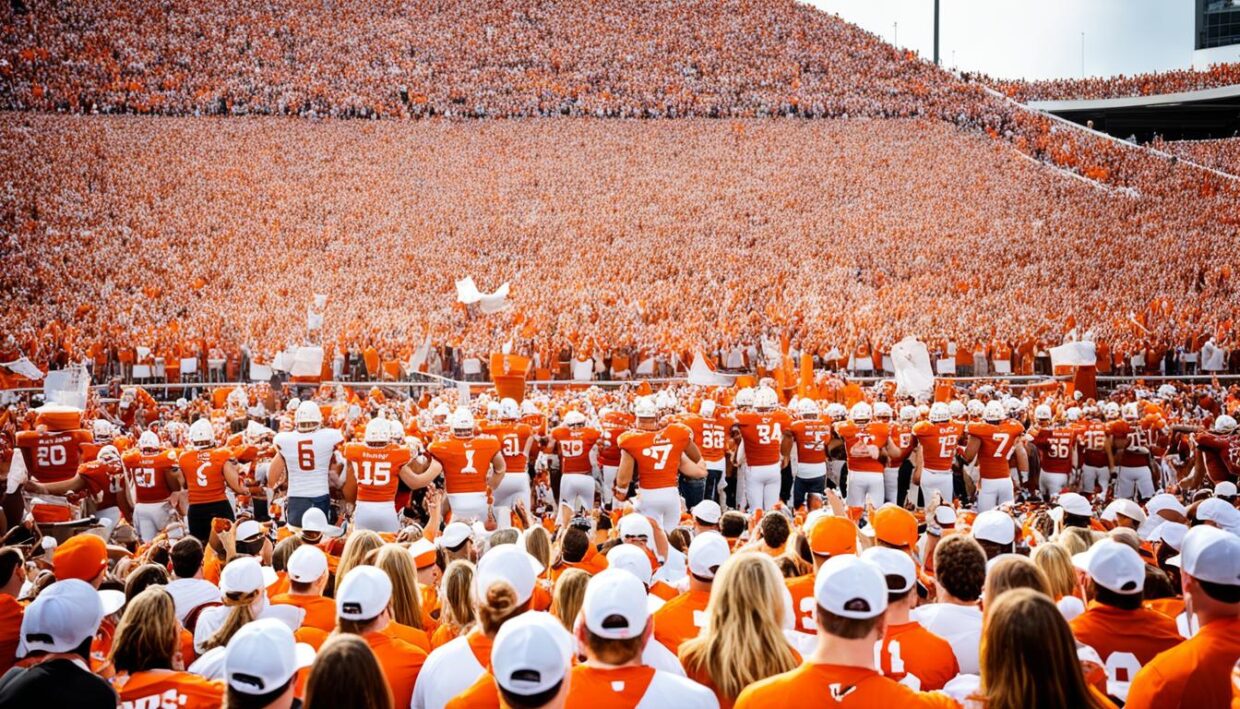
(763, 433)
(320, 611)
(997, 443)
(817, 685)
(376, 470)
(401, 663)
(1195, 673)
(656, 454)
(168, 688)
(408, 633)
(610, 688)
(150, 474)
(465, 462)
(1125, 640)
(680, 619)
(10, 629)
(874, 434)
(804, 604)
(204, 474)
(575, 446)
(483, 694)
(917, 657)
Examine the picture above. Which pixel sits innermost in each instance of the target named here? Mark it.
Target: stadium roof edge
(1182, 97)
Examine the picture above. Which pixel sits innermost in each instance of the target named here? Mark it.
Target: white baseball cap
(1114, 566)
(364, 593)
(995, 527)
(313, 520)
(510, 564)
(707, 552)
(532, 653)
(1225, 489)
(851, 587)
(112, 601)
(65, 615)
(1075, 504)
(263, 656)
(893, 562)
(307, 564)
(629, 558)
(1219, 512)
(455, 534)
(1164, 501)
(1126, 507)
(423, 553)
(243, 575)
(945, 515)
(1207, 554)
(248, 530)
(1170, 533)
(707, 512)
(614, 605)
(635, 525)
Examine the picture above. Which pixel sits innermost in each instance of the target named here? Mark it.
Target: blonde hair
(538, 544)
(1011, 571)
(148, 636)
(498, 607)
(570, 590)
(1056, 563)
(406, 604)
(1028, 656)
(1077, 539)
(742, 641)
(359, 544)
(242, 605)
(456, 602)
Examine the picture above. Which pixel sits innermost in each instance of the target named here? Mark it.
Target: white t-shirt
(669, 690)
(961, 626)
(212, 619)
(449, 670)
(656, 655)
(307, 457)
(188, 594)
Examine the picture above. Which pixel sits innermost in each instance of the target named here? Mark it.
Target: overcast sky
(1035, 39)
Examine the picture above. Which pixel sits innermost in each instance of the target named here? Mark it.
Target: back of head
(1056, 564)
(186, 557)
(1012, 571)
(346, 673)
(458, 604)
(775, 530)
(144, 577)
(1028, 655)
(359, 544)
(960, 567)
(538, 544)
(406, 602)
(570, 588)
(574, 545)
(733, 524)
(148, 635)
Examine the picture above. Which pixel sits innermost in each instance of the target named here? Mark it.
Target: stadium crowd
(191, 255)
(1223, 154)
(976, 546)
(1152, 84)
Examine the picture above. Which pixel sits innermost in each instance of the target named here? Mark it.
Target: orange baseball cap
(832, 536)
(894, 525)
(81, 556)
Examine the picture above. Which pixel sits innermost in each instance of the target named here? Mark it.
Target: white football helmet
(744, 398)
(974, 408)
(201, 434)
(528, 408)
(292, 404)
(1130, 411)
(861, 412)
(1166, 391)
(574, 419)
(1111, 410)
(149, 441)
(882, 411)
(1042, 413)
(440, 413)
(940, 413)
(645, 408)
(765, 399)
(994, 412)
(493, 411)
(109, 454)
(462, 423)
(102, 430)
(308, 417)
(707, 409)
(1073, 415)
(1224, 425)
(377, 432)
(807, 408)
(837, 411)
(908, 413)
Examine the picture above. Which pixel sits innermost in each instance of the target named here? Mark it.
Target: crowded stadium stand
(600, 353)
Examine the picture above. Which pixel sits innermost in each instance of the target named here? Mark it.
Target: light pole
(895, 32)
(1082, 55)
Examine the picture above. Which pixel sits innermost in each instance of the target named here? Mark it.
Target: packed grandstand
(661, 354)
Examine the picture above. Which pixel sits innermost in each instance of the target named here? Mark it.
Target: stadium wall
(1203, 58)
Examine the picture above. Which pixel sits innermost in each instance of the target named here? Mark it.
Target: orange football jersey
(656, 454)
(52, 456)
(376, 470)
(811, 437)
(902, 435)
(939, 442)
(916, 657)
(1055, 446)
(680, 619)
(1125, 640)
(204, 474)
(512, 440)
(465, 462)
(874, 434)
(715, 438)
(1093, 439)
(575, 446)
(762, 433)
(150, 474)
(997, 443)
(167, 688)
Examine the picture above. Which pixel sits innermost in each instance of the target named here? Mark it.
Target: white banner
(307, 362)
(583, 370)
(320, 301)
(646, 366)
(701, 374)
(1213, 358)
(314, 321)
(420, 355)
(24, 367)
(260, 372)
(67, 387)
(1074, 354)
(946, 367)
(1003, 366)
(467, 292)
(283, 361)
(911, 363)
